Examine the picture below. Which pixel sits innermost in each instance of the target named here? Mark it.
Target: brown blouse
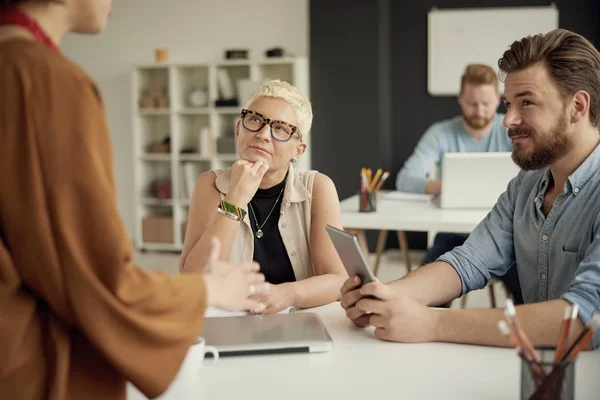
(77, 318)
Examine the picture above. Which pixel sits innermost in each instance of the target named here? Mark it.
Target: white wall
(192, 30)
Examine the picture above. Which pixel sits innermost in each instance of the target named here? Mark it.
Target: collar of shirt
(577, 180)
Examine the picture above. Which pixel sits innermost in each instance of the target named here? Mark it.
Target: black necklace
(259, 233)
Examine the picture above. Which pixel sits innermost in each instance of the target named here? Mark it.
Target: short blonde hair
(292, 95)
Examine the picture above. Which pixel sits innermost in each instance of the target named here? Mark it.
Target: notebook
(296, 332)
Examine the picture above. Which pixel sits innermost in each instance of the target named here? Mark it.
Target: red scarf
(14, 16)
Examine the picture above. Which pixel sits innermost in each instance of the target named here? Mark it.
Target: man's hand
(277, 298)
(350, 295)
(433, 186)
(396, 317)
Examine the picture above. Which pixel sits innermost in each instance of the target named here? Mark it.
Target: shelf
(193, 157)
(194, 111)
(190, 126)
(155, 157)
(151, 201)
(154, 111)
(227, 157)
(234, 63)
(228, 110)
(192, 65)
(153, 66)
(276, 61)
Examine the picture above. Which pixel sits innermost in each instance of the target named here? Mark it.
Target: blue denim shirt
(557, 256)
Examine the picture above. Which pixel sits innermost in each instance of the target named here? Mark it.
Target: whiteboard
(458, 37)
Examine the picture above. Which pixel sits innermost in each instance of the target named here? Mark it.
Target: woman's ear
(299, 150)
(237, 129)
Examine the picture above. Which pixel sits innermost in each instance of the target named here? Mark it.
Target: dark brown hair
(479, 74)
(571, 60)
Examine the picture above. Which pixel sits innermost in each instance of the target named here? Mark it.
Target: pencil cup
(367, 201)
(559, 383)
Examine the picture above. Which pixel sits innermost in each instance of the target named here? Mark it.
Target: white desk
(394, 215)
(362, 367)
(404, 215)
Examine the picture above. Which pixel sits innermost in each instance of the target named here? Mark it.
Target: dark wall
(343, 89)
(369, 80)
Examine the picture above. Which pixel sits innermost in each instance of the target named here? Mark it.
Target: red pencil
(565, 329)
(382, 180)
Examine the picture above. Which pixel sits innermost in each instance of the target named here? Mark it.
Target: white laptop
(296, 332)
(475, 180)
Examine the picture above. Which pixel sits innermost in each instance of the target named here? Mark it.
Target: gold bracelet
(228, 214)
(225, 206)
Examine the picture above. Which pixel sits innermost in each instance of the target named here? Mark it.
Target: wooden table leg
(381, 240)
(404, 247)
(362, 239)
(492, 293)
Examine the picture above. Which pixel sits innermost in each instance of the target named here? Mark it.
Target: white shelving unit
(182, 124)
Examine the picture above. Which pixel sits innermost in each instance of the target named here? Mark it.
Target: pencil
(516, 342)
(584, 339)
(382, 180)
(527, 348)
(561, 347)
(375, 179)
(574, 315)
(364, 182)
(506, 332)
(511, 315)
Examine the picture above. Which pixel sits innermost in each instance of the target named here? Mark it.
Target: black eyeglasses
(280, 130)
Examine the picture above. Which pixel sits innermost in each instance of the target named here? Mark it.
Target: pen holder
(367, 201)
(559, 383)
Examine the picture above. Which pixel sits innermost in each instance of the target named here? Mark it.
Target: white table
(405, 215)
(362, 367)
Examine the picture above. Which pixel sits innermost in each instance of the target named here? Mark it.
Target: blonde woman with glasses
(264, 209)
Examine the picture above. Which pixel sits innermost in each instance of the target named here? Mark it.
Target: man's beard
(545, 150)
(477, 122)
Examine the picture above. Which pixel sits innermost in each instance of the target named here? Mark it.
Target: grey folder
(267, 334)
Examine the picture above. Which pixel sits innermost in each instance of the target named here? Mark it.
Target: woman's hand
(244, 182)
(234, 287)
(277, 298)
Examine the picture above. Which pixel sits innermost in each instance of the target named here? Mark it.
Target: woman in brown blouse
(77, 318)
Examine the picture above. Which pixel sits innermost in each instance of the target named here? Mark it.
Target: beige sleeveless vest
(294, 222)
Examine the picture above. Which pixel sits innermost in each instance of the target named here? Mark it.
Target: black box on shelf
(226, 102)
(237, 54)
